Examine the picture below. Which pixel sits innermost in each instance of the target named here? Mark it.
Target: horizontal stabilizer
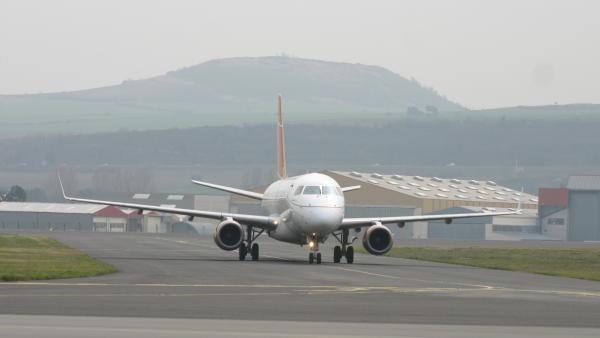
(241, 192)
(354, 187)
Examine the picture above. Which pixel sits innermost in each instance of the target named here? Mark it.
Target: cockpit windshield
(312, 190)
(321, 190)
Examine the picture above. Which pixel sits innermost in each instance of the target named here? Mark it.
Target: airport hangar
(98, 218)
(572, 212)
(404, 195)
(74, 217)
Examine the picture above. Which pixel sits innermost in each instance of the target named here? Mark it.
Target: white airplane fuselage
(305, 212)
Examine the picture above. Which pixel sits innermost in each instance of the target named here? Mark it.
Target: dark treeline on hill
(412, 142)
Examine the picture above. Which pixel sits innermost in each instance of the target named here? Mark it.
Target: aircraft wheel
(243, 251)
(337, 254)
(254, 252)
(318, 258)
(350, 255)
(311, 258)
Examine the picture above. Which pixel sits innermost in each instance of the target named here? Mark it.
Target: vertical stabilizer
(281, 166)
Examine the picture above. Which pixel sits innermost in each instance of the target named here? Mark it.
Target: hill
(221, 92)
(570, 112)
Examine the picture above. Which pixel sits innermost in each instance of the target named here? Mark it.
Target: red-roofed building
(572, 213)
(148, 221)
(110, 219)
(553, 212)
(554, 196)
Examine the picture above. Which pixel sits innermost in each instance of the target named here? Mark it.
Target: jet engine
(377, 240)
(229, 235)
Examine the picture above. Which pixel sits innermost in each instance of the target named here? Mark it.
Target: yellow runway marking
(366, 272)
(411, 279)
(306, 289)
(478, 287)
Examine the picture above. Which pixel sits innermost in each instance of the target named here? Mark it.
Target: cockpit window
(299, 190)
(328, 190)
(312, 190)
(318, 190)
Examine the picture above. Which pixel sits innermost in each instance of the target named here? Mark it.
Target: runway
(101, 327)
(169, 276)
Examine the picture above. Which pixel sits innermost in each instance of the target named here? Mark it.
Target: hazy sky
(478, 53)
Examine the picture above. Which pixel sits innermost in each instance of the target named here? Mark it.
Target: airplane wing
(354, 187)
(263, 222)
(250, 194)
(400, 220)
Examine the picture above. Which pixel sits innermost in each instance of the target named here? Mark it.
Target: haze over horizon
(479, 54)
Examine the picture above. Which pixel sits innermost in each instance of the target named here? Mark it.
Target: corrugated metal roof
(443, 188)
(527, 213)
(64, 208)
(584, 182)
(185, 201)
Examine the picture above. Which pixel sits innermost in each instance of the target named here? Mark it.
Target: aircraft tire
(350, 255)
(318, 258)
(337, 254)
(243, 251)
(311, 258)
(254, 252)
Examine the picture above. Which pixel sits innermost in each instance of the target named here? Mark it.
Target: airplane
(301, 210)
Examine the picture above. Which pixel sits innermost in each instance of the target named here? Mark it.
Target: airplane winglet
(519, 208)
(62, 188)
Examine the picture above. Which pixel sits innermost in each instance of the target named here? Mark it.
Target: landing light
(311, 244)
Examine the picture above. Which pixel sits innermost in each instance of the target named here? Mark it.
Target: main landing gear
(346, 250)
(314, 254)
(248, 246)
(312, 257)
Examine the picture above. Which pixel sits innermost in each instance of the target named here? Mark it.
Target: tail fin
(281, 166)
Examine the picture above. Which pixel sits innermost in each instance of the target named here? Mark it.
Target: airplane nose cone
(321, 220)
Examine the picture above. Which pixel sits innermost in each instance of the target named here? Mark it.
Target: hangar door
(584, 216)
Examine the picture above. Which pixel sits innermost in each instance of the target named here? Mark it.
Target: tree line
(15, 194)
(411, 142)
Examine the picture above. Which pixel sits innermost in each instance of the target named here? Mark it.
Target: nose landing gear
(346, 250)
(314, 253)
(312, 257)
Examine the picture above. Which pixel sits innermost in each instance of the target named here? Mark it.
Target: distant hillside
(580, 111)
(225, 91)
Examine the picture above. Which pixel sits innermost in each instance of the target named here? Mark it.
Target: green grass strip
(31, 257)
(574, 263)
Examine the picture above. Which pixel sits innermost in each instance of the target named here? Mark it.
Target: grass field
(574, 263)
(29, 257)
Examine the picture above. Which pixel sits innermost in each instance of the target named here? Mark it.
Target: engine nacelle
(377, 240)
(229, 235)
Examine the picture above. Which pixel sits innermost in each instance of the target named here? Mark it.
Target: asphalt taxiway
(188, 277)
